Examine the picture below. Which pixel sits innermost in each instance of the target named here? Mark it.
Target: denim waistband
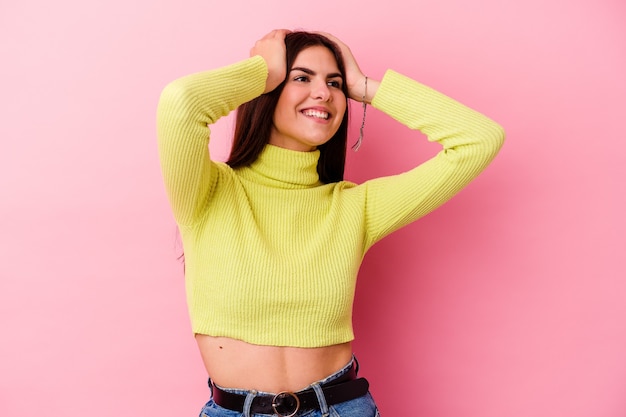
(327, 380)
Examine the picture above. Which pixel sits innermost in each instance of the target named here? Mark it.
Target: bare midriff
(234, 363)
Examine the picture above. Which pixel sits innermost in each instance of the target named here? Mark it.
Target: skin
(311, 106)
(235, 363)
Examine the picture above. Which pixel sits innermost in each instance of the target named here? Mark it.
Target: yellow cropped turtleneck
(271, 253)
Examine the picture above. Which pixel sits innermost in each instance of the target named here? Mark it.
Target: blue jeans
(359, 407)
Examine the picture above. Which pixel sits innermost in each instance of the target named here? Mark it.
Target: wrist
(364, 90)
(370, 91)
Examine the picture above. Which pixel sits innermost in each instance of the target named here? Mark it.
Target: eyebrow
(311, 72)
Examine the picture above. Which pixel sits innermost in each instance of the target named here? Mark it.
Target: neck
(284, 168)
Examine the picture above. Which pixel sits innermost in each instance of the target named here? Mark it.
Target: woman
(274, 238)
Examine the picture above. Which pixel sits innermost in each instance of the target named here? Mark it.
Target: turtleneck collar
(284, 168)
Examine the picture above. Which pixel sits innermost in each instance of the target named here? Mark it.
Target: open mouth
(316, 113)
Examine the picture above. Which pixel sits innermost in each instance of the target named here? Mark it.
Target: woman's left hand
(355, 79)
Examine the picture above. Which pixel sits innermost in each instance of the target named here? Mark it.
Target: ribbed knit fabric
(271, 253)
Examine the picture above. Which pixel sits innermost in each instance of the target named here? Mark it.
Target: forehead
(316, 58)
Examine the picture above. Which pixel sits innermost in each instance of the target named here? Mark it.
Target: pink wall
(508, 301)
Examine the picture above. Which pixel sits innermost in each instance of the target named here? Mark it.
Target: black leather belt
(287, 404)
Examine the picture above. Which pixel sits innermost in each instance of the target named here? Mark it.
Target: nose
(320, 90)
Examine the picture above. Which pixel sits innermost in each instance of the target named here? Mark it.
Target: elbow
(498, 133)
(486, 144)
(174, 95)
(177, 105)
(493, 137)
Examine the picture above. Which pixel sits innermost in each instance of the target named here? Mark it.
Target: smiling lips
(319, 114)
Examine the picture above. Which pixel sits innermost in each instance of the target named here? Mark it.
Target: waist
(342, 385)
(236, 364)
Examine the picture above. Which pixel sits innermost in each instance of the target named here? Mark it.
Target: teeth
(316, 113)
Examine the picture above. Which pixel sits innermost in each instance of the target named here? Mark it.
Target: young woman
(274, 237)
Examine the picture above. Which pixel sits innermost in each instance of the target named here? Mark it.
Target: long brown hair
(253, 124)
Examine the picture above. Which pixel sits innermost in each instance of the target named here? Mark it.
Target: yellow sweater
(271, 253)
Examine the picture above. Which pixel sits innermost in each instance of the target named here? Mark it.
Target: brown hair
(253, 124)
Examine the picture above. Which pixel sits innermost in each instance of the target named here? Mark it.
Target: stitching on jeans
(332, 412)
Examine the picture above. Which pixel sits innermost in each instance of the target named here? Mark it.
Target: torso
(233, 363)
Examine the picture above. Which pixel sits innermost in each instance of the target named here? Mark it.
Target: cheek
(341, 110)
(280, 112)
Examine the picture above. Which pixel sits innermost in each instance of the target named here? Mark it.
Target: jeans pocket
(211, 409)
(359, 407)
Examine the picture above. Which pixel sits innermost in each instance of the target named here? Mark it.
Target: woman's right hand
(272, 49)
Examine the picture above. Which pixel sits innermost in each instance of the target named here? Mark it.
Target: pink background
(508, 301)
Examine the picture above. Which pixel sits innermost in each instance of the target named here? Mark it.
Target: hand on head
(355, 79)
(271, 48)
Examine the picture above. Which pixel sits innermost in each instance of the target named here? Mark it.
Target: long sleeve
(186, 108)
(280, 251)
(469, 141)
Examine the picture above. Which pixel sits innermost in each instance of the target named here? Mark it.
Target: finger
(277, 34)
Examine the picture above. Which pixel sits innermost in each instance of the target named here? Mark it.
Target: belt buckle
(284, 402)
